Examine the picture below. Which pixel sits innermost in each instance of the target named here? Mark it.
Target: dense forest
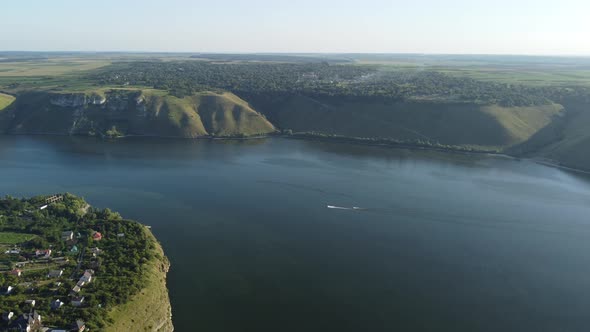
(322, 79)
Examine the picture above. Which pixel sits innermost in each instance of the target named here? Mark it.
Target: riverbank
(150, 309)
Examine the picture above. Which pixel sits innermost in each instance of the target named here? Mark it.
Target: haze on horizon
(534, 27)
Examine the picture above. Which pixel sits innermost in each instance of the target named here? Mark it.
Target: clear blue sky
(385, 26)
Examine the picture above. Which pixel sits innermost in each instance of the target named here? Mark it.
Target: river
(438, 242)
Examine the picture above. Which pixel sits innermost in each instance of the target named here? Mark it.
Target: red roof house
(97, 236)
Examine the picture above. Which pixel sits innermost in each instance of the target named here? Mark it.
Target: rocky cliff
(133, 112)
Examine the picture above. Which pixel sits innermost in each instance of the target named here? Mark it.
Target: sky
(539, 27)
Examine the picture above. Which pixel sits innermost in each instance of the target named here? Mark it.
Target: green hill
(565, 141)
(449, 123)
(150, 309)
(133, 112)
(5, 101)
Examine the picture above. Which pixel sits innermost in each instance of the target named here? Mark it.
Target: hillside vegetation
(565, 141)
(448, 123)
(122, 112)
(150, 309)
(5, 101)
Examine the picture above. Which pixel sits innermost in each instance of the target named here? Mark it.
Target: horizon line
(301, 53)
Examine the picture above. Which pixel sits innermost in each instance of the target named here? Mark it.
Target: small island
(67, 266)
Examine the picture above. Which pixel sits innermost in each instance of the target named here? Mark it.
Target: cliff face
(150, 309)
(133, 112)
(76, 100)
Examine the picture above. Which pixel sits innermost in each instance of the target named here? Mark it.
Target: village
(55, 281)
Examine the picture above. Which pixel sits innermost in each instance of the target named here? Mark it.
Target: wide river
(442, 242)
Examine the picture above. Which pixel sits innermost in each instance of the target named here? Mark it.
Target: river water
(439, 242)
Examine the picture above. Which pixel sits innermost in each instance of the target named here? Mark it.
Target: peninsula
(65, 265)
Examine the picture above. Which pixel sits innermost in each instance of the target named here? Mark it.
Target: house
(77, 301)
(15, 272)
(30, 302)
(67, 236)
(79, 326)
(95, 251)
(55, 273)
(87, 276)
(56, 304)
(96, 236)
(8, 290)
(76, 289)
(43, 253)
(74, 249)
(28, 322)
(7, 316)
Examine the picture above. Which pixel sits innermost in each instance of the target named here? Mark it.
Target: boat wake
(344, 208)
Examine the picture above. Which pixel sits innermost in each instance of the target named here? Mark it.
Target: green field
(14, 238)
(525, 76)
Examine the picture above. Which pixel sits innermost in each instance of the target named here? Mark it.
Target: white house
(67, 236)
(30, 302)
(55, 273)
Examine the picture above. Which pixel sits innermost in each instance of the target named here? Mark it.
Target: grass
(5, 100)
(150, 309)
(14, 238)
(492, 127)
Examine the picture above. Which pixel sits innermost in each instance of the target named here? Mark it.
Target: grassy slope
(226, 115)
(566, 141)
(150, 309)
(5, 101)
(201, 114)
(447, 123)
(205, 113)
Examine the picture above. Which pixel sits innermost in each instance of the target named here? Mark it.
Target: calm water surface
(443, 242)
